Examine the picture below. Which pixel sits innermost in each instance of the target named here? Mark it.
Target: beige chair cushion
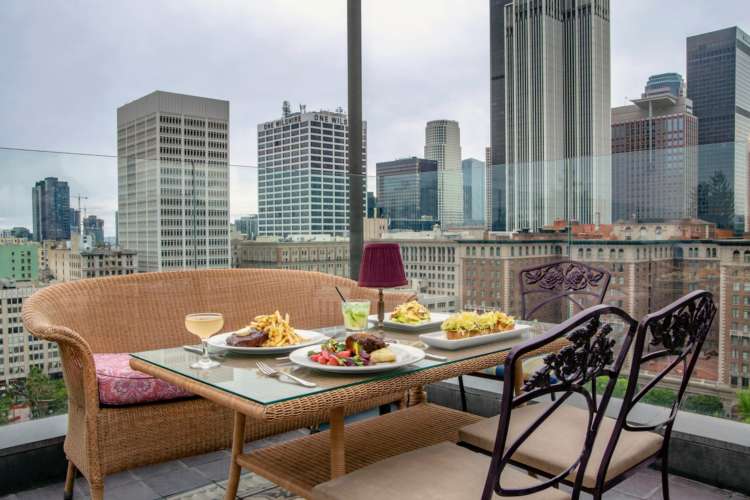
(445, 471)
(556, 444)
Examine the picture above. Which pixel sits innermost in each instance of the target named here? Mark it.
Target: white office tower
(303, 184)
(173, 181)
(557, 122)
(443, 144)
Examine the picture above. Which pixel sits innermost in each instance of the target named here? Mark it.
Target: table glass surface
(238, 374)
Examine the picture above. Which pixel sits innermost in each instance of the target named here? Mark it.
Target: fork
(272, 372)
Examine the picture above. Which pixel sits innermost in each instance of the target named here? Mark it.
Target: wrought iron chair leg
(462, 392)
(665, 470)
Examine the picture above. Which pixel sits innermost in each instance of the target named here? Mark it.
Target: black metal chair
(676, 332)
(566, 281)
(452, 472)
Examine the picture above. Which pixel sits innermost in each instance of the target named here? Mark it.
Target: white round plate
(405, 355)
(308, 338)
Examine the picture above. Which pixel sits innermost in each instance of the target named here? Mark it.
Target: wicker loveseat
(146, 311)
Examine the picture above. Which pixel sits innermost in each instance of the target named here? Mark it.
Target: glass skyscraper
(718, 82)
(408, 193)
(474, 178)
(495, 172)
(557, 113)
(51, 209)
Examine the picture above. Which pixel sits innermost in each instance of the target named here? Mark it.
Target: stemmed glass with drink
(204, 325)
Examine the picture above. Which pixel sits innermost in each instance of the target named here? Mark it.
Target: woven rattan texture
(301, 464)
(146, 311)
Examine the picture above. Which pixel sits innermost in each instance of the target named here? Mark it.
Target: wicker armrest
(75, 354)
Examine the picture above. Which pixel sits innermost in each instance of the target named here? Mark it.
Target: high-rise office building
(247, 225)
(557, 112)
(443, 145)
(495, 173)
(669, 83)
(654, 154)
(75, 221)
(303, 183)
(718, 82)
(51, 209)
(408, 193)
(173, 181)
(22, 351)
(474, 191)
(371, 209)
(94, 227)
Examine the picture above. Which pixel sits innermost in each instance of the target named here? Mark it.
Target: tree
(6, 400)
(743, 405)
(716, 201)
(704, 404)
(46, 396)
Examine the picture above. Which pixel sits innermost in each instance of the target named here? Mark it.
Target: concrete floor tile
(131, 491)
(643, 484)
(176, 481)
(157, 469)
(205, 458)
(217, 470)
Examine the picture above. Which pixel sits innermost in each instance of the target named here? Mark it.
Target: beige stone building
(331, 257)
(20, 351)
(70, 261)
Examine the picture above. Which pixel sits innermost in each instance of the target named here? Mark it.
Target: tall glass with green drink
(355, 314)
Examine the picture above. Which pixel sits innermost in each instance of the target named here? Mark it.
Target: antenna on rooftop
(339, 109)
(302, 108)
(286, 109)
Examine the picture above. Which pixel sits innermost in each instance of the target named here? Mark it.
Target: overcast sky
(65, 67)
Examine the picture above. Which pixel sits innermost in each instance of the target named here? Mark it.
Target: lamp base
(381, 309)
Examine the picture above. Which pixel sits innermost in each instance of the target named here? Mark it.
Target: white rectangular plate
(436, 319)
(439, 339)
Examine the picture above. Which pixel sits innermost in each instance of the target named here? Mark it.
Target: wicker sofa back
(146, 311)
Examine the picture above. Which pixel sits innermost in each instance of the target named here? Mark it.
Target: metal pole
(356, 173)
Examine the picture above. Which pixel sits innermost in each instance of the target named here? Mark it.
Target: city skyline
(395, 108)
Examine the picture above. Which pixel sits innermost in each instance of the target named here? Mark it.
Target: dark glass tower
(51, 209)
(718, 79)
(408, 193)
(495, 173)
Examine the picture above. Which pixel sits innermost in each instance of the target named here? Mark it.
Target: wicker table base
(301, 464)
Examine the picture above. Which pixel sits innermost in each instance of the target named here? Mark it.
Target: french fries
(279, 331)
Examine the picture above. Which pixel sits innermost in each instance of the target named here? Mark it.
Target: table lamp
(381, 267)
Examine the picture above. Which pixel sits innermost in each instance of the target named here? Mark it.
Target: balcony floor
(203, 477)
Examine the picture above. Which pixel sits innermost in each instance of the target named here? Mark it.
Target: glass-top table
(239, 376)
(238, 385)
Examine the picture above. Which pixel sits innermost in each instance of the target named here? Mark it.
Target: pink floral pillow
(121, 385)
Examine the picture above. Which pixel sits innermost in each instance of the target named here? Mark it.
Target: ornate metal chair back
(592, 352)
(574, 282)
(676, 335)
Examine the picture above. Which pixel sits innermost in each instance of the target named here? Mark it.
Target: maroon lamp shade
(382, 266)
